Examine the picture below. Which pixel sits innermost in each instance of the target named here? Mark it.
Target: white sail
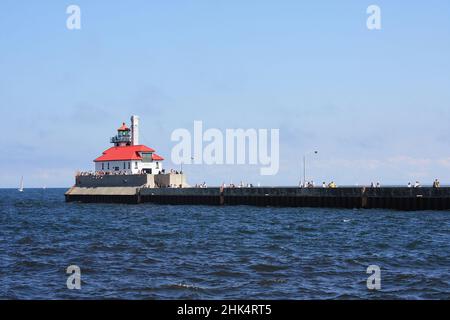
(21, 184)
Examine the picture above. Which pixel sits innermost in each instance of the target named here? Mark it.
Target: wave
(261, 267)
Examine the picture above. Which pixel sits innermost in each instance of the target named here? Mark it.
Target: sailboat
(21, 185)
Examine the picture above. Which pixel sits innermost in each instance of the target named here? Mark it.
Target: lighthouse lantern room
(127, 156)
(123, 137)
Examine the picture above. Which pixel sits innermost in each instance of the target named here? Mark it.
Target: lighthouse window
(124, 166)
(103, 166)
(129, 165)
(135, 165)
(108, 165)
(146, 157)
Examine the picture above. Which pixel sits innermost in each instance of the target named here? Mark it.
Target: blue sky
(376, 104)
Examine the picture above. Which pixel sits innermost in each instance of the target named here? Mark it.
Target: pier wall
(103, 194)
(357, 197)
(209, 196)
(368, 198)
(135, 180)
(132, 180)
(170, 179)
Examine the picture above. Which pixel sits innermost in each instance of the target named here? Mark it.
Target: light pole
(304, 167)
(192, 158)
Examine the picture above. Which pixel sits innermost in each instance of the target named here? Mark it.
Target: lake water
(151, 251)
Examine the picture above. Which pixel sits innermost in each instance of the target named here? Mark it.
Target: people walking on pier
(203, 185)
(378, 185)
(409, 185)
(332, 185)
(436, 184)
(324, 185)
(417, 184)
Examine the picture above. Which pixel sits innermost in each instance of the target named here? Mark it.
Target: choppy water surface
(203, 252)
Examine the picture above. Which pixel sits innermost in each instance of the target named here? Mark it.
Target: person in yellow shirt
(332, 185)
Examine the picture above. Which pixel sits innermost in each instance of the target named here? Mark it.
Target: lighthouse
(127, 156)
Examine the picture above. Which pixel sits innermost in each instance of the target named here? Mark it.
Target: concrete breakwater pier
(130, 172)
(141, 189)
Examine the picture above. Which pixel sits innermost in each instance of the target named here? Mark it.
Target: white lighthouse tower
(134, 130)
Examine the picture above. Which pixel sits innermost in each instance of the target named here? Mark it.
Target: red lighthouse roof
(156, 157)
(123, 127)
(124, 153)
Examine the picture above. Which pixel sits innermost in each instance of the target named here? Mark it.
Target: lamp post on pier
(181, 171)
(304, 166)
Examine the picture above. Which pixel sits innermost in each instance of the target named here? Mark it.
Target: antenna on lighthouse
(134, 130)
